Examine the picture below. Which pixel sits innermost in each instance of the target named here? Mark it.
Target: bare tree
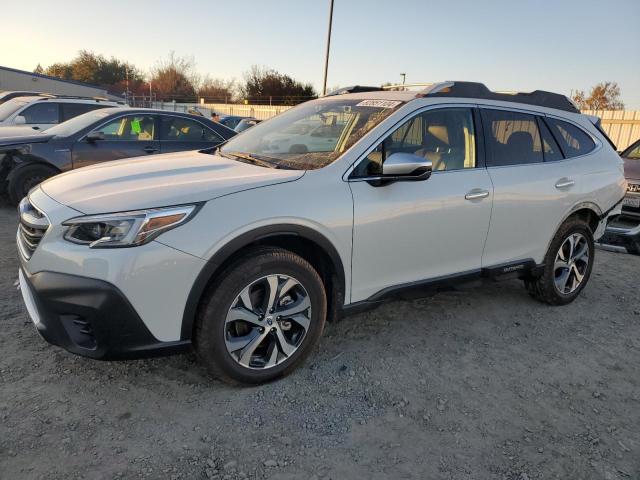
(175, 79)
(216, 90)
(604, 96)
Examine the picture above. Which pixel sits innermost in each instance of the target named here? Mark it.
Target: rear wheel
(567, 265)
(27, 177)
(262, 318)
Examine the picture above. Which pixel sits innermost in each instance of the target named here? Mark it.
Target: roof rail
(353, 89)
(78, 97)
(539, 98)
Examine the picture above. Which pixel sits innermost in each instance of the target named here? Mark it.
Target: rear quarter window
(572, 140)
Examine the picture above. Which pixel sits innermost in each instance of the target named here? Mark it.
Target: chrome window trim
(395, 126)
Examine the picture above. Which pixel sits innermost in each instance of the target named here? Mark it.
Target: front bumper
(89, 317)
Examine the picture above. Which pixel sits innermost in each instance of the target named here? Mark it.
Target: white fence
(261, 112)
(622, 126)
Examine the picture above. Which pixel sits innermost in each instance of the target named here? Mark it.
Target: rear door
(179, 133)
(534, 186)
(126, 136)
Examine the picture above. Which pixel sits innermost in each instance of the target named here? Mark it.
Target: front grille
(33, 225)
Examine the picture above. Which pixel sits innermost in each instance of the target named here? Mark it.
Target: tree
(174, 79)
(216, 90)
(109, 73)
(264, 85)
(604, 96)
(38, 69)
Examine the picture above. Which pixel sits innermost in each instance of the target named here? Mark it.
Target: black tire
(210, 329)
(25, 178)
(544, 288)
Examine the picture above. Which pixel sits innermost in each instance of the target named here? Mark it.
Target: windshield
(311, 135)
(9, 107)
(78, 123)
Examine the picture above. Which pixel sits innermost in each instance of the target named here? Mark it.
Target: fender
(214, 263)
(578, 206)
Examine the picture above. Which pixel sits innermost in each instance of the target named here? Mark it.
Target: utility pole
(326, 58)
(404, 77)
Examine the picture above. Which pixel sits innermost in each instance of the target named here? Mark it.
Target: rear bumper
(89, 317)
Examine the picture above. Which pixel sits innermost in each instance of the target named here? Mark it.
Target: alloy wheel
(571, 264)
(267, 321)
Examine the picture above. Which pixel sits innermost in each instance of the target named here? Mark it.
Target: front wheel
(27, 177)
(567, 265)
(261, 318)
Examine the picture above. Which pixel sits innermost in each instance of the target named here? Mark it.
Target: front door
(408, 232)
(124, 137)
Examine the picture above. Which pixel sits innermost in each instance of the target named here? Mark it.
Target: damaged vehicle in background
(100, 136)
(624, 231)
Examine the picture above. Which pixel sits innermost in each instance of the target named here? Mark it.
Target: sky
(523, 45)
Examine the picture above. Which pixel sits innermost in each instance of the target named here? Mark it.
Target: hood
(19, 131)
(10, 136)
(632, 168)
(159, 180)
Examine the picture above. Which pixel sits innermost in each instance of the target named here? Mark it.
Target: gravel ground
(477, 383)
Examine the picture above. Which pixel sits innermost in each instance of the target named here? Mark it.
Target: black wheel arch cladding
(267, 235)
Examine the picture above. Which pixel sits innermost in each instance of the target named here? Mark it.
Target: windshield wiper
(263, 162)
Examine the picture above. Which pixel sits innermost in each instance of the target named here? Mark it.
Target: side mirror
(94, 136)
(403, 167)
(19, 120)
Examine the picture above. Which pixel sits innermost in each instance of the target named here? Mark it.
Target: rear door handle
(565, 183)
(476, 194)
(150, 149)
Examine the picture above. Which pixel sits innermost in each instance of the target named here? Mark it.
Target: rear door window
(512, 138)
(45, 112)
(178, 129)
(572, 140)
(551, 150)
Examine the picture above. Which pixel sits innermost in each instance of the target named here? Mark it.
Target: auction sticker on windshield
(379, 103)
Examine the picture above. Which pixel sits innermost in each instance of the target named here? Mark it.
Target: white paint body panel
(403, 232)
(410, 231)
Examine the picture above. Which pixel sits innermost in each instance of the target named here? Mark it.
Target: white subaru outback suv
(244, 253)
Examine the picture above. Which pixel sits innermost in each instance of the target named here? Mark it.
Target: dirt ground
(477, 383)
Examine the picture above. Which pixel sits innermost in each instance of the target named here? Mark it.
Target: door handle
(476, 194)
(565, 183)
(150, 149)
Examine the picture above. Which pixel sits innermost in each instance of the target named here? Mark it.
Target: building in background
(13, 79)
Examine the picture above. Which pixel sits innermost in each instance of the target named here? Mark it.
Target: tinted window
(444, 136)
(573, 140)
(44, 112)
(550, 147)
(130, 128)
(512, 138)
(177, 129)
(71, 110)
(633, 152)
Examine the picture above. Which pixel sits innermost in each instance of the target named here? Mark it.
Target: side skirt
(423, 288)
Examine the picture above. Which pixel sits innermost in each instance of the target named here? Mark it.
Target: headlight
(126, 229)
